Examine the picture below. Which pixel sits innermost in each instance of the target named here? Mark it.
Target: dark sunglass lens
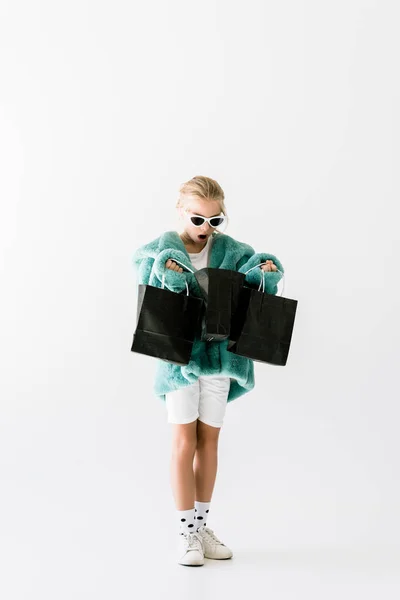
(197, 220)
(216, 221)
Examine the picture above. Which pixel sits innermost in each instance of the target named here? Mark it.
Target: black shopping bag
(220, 289)
(167, 323)
(262, 326)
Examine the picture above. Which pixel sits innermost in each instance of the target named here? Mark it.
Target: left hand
(269, 266)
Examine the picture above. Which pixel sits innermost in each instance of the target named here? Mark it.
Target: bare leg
(206, 461)
(182, 477)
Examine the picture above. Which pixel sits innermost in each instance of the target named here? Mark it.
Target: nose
(206, 227)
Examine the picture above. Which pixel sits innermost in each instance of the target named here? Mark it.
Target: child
(196, 395)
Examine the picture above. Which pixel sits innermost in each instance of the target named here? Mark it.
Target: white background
(105, 109)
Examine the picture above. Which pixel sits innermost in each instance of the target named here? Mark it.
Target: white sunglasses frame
(224, 222)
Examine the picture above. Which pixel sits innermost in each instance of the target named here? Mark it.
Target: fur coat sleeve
(226, 253)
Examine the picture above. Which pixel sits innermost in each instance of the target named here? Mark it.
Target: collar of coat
(224, 254)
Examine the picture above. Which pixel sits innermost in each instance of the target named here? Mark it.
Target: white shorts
(205, 399)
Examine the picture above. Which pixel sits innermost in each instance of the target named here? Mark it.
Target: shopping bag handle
(163, 277)
(262, 282)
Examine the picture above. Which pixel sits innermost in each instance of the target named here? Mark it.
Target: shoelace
(210, 535)
(193, 541)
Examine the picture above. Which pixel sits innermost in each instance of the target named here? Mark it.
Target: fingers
(269, 266)
(170, 264)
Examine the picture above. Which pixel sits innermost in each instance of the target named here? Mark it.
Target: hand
(269, 266)
(170, 264)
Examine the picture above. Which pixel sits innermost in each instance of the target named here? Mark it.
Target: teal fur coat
(208, 358)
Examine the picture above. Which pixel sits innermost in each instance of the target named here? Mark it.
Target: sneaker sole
(197, 563)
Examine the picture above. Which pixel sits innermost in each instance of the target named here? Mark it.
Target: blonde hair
(204, 188)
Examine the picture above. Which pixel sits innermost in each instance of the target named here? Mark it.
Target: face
(198, 236)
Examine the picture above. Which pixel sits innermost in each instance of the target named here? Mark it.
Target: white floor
(50, 552)
(86, 512)
(320, 573)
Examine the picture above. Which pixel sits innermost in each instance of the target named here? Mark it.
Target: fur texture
(208, 358)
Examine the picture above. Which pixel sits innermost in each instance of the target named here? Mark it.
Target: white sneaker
(191, 551)
(213, 547)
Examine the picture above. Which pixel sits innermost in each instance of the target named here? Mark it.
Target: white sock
(187, 521)
(201, 511)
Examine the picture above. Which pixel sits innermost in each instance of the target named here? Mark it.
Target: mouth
(202, 236)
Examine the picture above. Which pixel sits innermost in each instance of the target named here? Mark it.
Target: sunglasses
(198, 220)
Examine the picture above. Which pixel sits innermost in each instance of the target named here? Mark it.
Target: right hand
(170, 264)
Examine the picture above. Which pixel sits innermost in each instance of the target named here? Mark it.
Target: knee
(184, 445)
(207, 442)
(207, 436)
